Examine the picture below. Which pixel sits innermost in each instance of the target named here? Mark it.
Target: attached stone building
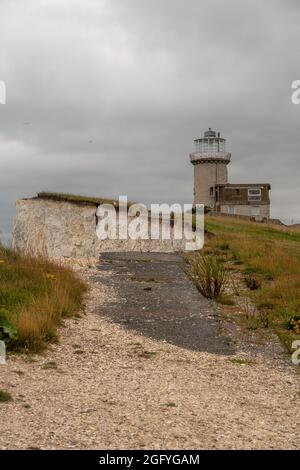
(211, 186)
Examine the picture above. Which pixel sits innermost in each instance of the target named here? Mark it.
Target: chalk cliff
(68, 229)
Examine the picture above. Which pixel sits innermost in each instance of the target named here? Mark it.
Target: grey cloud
(106, 97)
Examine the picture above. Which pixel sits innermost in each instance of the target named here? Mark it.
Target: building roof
(244, 185)
(210, 133)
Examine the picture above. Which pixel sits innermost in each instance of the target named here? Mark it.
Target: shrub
(224, 246)
(210, 275)
(294, 324)
(7, 332)
(252, 282)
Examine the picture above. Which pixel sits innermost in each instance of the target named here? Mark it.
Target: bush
(294, 324)
(224, 246)
(252, 283)
(7, 332)
(210, 275)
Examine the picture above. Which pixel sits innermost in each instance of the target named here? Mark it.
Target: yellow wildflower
(50, 276)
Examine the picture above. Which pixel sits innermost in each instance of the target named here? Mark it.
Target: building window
(231, 210)
(212, 191)
(254, 194)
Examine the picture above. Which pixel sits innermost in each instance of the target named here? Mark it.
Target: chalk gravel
(114, 389)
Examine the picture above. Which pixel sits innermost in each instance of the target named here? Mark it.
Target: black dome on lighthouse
(210, 133)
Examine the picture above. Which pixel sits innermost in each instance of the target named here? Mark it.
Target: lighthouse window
(222, 146)
(214, 146)
(209, 145)
(254, 194)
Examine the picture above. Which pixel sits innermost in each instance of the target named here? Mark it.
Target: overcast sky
(105, 97)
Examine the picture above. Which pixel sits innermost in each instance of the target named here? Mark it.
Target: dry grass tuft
(36, 295)
(210, 275)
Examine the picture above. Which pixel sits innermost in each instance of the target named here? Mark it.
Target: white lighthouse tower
(210, 161)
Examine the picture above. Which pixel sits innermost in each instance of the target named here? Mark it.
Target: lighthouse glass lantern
(210, 143)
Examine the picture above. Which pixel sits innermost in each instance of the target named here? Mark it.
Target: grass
(35, 296)
(170, 404)
(147, 354)
(5, 396)
(237, 360)
(210, 275)
(269, 259)
(77, 199)
(265, 231)
(138, 349)
(49, 365)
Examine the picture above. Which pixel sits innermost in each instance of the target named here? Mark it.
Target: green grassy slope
(269, 254)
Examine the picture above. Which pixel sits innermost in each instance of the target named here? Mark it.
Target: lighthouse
(211, 186)
(210, 161)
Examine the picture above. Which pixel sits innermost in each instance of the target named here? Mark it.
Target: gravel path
(104, 386)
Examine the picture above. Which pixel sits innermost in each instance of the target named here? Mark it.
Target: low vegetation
(77, 199)
(268, 258)
(5, 396)
(35, 295)
(210, 275)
